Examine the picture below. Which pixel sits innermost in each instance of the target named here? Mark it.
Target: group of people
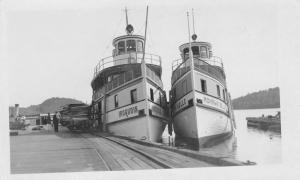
(56, 118)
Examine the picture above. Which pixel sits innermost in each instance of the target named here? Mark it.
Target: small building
(37, 119)
(13, 113)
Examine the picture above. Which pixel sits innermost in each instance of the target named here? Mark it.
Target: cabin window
(151, 94)
(203, 86)
(218, 91)
(224, 94)
(116, 101)
(130, 45)
(185, 53)
(184, 87)
(203, 52)
(133, 96)
(109, 78)
(121, 47)
(195, 50)
(139, 46)
(100, 107)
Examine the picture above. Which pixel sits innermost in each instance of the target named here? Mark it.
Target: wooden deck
(46, 152)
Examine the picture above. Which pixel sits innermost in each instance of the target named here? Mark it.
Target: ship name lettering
(129, 111)
(180, 104)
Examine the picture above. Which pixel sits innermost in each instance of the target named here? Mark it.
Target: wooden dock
(65, 151)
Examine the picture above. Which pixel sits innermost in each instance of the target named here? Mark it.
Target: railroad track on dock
(117, 155)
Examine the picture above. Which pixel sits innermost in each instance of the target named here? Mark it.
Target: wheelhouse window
(195, 50)
(133, 96)
(218, 91)
(185, 53)
(203, 52)
(131, 46)
(139, 46)
(151, 94)
(121, 47)
(116, 101)
(203, 86)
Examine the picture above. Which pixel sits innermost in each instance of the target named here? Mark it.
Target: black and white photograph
(150, 89)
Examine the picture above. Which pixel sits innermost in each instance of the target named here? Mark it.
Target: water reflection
(248, 143)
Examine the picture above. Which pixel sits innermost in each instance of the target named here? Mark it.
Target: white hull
(145, 128)
(202, 124)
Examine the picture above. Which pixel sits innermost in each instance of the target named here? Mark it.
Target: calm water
(262, 147)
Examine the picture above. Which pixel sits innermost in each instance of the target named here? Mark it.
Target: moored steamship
(128, 97)
(200, 102)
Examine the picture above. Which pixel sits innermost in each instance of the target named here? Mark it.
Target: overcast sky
(53, 46)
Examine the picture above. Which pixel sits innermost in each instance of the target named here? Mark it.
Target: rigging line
(141, 28)
(114, 34)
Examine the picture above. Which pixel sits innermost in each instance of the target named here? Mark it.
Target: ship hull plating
(144, 128)
(203, 126)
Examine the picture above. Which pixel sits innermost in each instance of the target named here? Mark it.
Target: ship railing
(129, 76)
(129, 58)
(203, 65)
(214, 61)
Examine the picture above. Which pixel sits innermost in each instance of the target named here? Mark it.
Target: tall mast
(126, 16)
(194, 36)
(144, 74)
(191, 59)
(190, 44)
(145, 37)
(193, 20)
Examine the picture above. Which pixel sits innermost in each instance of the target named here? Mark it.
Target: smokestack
(16, 111)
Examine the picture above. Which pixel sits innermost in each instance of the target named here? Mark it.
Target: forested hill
(258, 100)
(50, 105)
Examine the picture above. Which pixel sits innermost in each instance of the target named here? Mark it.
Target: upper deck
(128, 58)
(204, 62)
(128, 49)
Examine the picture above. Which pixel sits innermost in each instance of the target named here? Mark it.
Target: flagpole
(144, 74)
(192, 62)
(190, 44)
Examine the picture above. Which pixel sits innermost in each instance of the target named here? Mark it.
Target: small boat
(269, 122)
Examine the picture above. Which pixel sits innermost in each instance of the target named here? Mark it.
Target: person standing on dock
(55, 122)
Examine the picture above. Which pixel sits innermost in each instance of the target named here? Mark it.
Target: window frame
(119, 52)
(203, 85)
(132, 98)
(206, 54)
(195, 48)
(134, 46)
(218, 91)
(142, 47)
(116, 100)
(151, 94)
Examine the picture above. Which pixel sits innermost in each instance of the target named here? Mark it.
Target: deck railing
(128, 58)
(213, 67)
(214, 61)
